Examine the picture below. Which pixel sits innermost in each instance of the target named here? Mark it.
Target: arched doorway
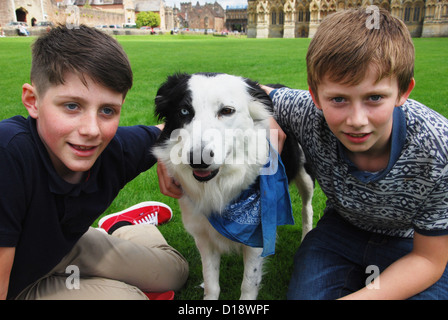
(21, 14)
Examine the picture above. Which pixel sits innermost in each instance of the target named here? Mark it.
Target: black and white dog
(214, 144)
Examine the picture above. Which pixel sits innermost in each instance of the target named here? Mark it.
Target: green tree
(148, 18)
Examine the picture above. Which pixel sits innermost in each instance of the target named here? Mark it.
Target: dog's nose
(201, 160)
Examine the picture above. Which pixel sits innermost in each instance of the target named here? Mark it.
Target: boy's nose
(89, 125)
(358, 116)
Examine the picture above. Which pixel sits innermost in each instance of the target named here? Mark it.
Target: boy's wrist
(272, 93)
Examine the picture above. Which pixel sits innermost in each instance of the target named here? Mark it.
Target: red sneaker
(149, 212)
(169, 295)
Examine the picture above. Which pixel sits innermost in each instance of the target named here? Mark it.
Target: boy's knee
(178, 271)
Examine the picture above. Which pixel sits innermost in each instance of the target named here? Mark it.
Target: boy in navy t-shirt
(63, 166)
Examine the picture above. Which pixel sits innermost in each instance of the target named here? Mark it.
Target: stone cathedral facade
(300, 18)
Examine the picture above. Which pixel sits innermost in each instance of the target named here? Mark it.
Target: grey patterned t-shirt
(410, 194)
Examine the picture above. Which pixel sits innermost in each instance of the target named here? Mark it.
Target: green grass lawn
(153, 58)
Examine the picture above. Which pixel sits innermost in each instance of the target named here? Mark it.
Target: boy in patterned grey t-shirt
(380, 158)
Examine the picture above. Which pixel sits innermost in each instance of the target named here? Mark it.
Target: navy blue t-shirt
(42, 215)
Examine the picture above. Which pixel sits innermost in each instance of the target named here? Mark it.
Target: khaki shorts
(133, 260)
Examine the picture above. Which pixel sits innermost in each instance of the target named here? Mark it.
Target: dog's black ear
(171, 91)
(261, 107)
(259, 94)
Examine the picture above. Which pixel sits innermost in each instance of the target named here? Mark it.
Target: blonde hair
(346, 45)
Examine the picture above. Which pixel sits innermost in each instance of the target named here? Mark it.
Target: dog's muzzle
(205, 175)
(200, 166)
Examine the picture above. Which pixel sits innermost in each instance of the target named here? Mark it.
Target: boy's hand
(266, 88)
(277, 137)
(6, 260)
(168, 186)
(273, 125)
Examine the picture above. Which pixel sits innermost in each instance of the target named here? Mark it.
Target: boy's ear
(29, 99)
(314, 97)
(404, 96)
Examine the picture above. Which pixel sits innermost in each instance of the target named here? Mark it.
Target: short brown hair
(344, 47)
(84, 51)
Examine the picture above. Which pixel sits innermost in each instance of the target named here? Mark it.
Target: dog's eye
(184, 112)
(226, 111)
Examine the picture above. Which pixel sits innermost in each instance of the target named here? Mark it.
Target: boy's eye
(375, 98)
(71, 106)
(338, 99)
(108, 111)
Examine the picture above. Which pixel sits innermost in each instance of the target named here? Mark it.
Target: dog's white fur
(209, 95)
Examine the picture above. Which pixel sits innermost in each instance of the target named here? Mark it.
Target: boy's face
(360, 116)
(75, 122)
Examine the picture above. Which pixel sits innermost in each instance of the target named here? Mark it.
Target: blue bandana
(252, 218)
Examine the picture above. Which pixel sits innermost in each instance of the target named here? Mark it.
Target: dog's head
(214, 124)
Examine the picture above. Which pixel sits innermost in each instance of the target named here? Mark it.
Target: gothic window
(281, 17)
(274, 17)
(416, 13)
(407, 14)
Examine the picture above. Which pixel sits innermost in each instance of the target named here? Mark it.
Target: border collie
(216, 145)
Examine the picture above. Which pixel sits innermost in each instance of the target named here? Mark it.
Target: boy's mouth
(82, 148)
(357, 137)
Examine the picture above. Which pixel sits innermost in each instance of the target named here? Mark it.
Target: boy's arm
(6, 260)
(267, 89)
(411, 274)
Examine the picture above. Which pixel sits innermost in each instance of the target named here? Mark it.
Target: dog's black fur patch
(174, 98)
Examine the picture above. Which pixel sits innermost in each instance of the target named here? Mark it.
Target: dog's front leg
(211, 260)
(253, 264)
(305, 184)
